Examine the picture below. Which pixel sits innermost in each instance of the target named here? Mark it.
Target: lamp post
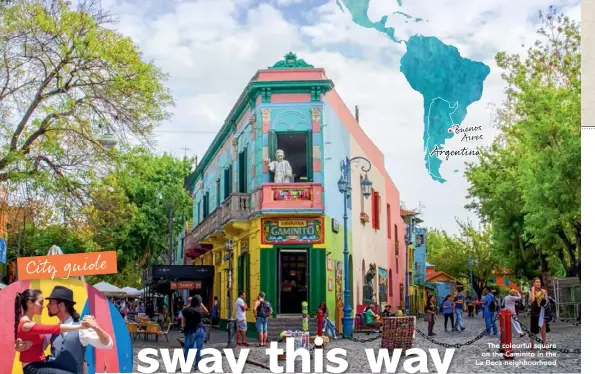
(230, 323)
(344, 185)
(471, 263)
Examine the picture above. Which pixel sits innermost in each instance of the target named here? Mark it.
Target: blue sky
(211, 48)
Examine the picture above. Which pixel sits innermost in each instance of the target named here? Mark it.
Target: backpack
(266, 308)
(492, 306)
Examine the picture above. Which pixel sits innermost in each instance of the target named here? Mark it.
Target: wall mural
(382, 287)
(370, 285)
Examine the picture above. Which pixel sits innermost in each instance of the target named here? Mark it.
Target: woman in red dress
(27, 305)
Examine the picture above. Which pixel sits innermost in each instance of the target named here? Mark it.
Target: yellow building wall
(220, 282)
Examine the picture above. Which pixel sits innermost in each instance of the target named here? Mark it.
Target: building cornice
(265, 89)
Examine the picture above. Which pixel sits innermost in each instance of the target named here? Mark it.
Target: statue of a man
(280, 168)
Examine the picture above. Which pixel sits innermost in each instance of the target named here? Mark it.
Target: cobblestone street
(467, 359)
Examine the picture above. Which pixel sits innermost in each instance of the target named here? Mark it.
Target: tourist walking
(194, 328)
(489, 311)
(448, 310)
(459, 308)
(215, 312)
(538, 299)
(262, 310)
(470, 308)
(510, 302)
(242, 324)
(431, 313)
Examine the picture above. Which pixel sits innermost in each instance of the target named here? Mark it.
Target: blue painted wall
(419, 258)
(443, 289)
(336, 149)
(216, 168)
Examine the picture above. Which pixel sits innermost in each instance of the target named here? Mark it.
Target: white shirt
(240, 312)
(86, 337)
(509, 303)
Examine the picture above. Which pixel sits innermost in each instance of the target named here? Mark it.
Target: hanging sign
(293, 230)
(185, 285)
(291, 194)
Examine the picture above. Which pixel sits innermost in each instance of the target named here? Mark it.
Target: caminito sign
(293, 231)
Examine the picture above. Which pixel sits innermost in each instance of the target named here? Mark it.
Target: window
(396, 240)
(242, 172)
(218, 192)
(205, 205)
(390, 283)
(227, 175)
(375, 210)
(297, 149)
(388, 226)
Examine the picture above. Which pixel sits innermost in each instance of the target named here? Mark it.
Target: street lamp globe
(366, 186)
(108, 140)
(342, 183)
(229, 245)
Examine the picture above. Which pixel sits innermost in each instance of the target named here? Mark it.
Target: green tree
(131, 207)
(66, 78)
(450, 253)
(527, 184)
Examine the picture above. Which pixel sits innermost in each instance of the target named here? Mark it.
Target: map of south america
(448, 82)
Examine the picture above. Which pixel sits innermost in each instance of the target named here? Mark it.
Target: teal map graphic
(448, 82)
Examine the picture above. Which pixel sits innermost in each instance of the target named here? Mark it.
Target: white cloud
(210, 53)
(283, 3)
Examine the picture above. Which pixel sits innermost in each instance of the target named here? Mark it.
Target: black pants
(431, 320)
(452, 320)
(43, 368)
(470, 310)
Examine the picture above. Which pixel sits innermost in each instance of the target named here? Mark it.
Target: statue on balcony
(281, 168)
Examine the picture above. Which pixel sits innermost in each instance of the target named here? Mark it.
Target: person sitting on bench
(372, 319)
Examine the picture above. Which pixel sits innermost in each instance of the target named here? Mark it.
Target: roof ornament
(291, 61)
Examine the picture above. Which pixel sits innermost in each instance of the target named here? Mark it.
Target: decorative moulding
(315, 114)
(290, 61)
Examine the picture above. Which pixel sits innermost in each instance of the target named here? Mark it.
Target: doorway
(293, 280)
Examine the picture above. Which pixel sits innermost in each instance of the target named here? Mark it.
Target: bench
(360, 325)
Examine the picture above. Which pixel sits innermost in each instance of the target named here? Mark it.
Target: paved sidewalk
(467, 359)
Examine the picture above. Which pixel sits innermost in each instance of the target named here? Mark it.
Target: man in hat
(68, 349)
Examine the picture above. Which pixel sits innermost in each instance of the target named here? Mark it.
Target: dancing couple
(68, 339)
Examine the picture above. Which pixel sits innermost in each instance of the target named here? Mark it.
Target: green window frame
(309, 154)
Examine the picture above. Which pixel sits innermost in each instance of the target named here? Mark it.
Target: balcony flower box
(363, 216)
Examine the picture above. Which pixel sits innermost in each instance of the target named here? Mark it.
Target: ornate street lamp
(230, 323)
(344, 185)
(107, 140)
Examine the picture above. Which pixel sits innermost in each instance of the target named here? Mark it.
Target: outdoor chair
(164, 333)
(153, 329)
(133, 330)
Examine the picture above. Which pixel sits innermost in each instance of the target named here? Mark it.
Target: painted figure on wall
(280, 168)
(382, 286)
(369, 281)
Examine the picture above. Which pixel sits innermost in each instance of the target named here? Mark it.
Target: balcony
(236, 207)
(289, 197)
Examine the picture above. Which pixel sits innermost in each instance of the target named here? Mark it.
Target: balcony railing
(236, 207)
(241, 207)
